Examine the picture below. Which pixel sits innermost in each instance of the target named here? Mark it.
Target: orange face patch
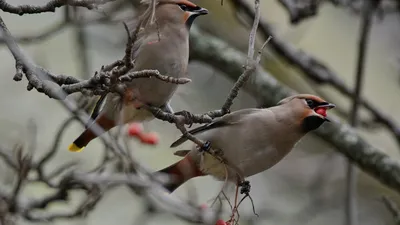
(186, 16)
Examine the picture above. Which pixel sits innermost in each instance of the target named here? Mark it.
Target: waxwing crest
(301, 96)
(310, 110)
(184, 2)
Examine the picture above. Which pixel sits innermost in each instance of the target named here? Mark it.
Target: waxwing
(162, 45)
(249, 140)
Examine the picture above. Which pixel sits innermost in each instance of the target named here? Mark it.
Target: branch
(393, 208)
(251, 63)
(50, 6)
(351, 175)
(60, 26)
(266, 88)
(299, 10)
(98, 84)
(118, 72)
(316, 70)
(185, 117)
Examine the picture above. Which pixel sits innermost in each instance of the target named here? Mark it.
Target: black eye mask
(189, 8)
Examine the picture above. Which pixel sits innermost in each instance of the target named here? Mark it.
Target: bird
(247, 141)
(162, 45)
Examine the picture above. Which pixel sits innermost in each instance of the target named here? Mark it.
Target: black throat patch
(190, 20)
(311, 123)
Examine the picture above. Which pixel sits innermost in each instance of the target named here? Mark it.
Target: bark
(269, 91)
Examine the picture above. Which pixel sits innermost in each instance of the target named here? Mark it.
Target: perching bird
(250, 140)
(162, 45)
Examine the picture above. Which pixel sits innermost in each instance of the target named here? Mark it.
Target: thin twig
(316, 70)
(300, 10)
(251, 64)
(351, 178)
(49, 6)
(393, 208)
(35, 75)
(82, 43)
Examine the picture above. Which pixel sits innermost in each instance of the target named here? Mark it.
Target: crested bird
(249, 141)
(162, 45)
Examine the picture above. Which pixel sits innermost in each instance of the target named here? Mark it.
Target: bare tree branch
(393, 208)
(24, 207)
(269, 91)
(98, 84)
(317, 70)
(101, 83)
(100, 179)
(351, 175)
(66, 22)
(299, 10)
(50, 6)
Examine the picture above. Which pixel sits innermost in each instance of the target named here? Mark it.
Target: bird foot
(245, 187)
(188, 116)
(167, 108)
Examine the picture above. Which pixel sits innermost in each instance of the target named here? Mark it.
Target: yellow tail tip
(74, 148)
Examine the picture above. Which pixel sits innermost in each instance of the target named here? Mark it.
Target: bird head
(177, 11)
(311, 110)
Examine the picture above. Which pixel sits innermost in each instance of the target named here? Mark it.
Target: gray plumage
(252, 140)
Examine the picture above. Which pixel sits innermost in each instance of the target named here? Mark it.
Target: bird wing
(141, 19)
(131, 24)
(96, 110)
(228, 119)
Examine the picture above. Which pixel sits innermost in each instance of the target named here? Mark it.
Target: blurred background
(307, 187)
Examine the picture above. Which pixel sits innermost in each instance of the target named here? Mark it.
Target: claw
(188, 116)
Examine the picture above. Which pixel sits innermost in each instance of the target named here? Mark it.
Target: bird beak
(328, 106)
(201, 11)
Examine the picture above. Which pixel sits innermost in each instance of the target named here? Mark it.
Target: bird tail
(180, 172)
(88, 135)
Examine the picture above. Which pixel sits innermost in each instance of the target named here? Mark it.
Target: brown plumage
(251, 140)
(162, 45)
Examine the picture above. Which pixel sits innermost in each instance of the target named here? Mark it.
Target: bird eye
(188, 8)
(310, 103)
(183, 7)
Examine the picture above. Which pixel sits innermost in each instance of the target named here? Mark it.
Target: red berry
(150, 138)
(135, 129)
(220, 222)
(321, 111)
(203, 206)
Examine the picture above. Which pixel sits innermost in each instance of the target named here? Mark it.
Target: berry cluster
(136, 130)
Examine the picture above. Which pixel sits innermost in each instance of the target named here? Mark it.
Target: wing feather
(228, 119)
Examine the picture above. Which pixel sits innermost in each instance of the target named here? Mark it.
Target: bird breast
(252, 162)
(249, 147)
(167, 54)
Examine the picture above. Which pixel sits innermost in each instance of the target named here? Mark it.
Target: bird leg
(167, 108)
